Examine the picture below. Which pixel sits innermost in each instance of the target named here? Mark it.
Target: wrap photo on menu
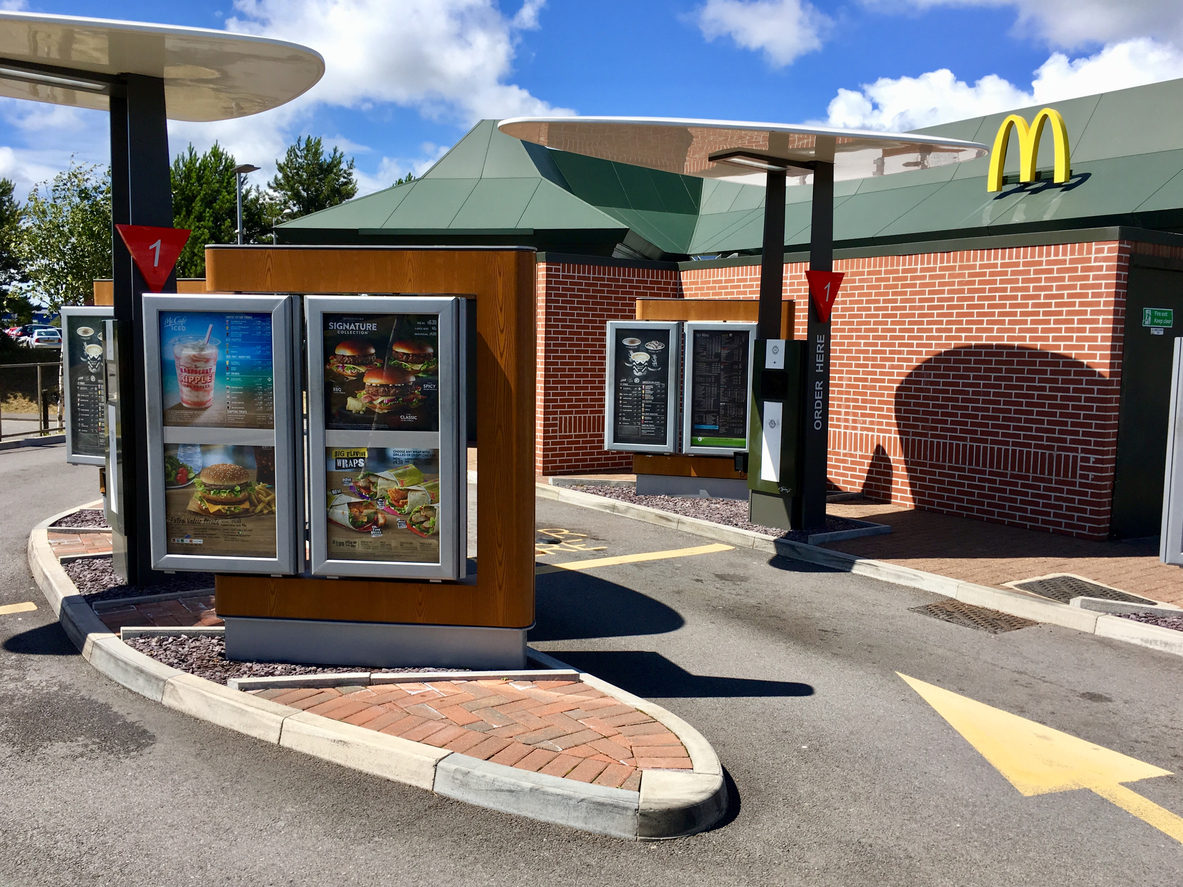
(216, 370)
(220, 500)
(85, 374)
(383, 505)
(381, 371)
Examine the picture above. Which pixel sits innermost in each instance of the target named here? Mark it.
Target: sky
(405, 79)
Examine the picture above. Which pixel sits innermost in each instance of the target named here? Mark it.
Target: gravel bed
(205, 657)
(87, 517)
(1175, 622)
(729, 512)
(95, 578)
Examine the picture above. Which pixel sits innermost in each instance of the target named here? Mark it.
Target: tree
(12, 303)
(409, 177)
(64, 244)
(205, 201)
(307, 181)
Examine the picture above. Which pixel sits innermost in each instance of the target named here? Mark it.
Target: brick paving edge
(1015, 603)
(670, 804)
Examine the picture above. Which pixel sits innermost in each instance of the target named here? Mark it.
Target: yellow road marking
(592, 563)
(26, 607)
(1038, 760)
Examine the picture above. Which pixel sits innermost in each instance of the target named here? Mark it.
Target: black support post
(141, 194)
(809, 509)
(772, 257)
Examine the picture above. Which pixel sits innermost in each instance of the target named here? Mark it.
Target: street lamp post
(239, 172)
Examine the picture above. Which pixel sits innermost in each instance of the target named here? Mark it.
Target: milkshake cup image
(197, 362)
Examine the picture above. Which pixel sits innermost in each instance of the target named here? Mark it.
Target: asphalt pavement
(841, 773)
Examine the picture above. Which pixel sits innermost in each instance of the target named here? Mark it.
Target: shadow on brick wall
(997, 432)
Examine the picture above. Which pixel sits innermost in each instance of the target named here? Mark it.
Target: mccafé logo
(1029, 148)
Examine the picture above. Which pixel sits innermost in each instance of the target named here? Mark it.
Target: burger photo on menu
(387, 389)
(416, 356)
(227, 490)
(359, 515)
(353, 357)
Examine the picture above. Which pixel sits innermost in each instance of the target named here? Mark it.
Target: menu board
(219, 500)
(643, 377)
(216, 369)
(383, 504)
(381, 372)
(86, 386)
(717, 375)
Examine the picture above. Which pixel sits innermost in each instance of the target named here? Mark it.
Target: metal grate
(1064, 588)
(969, 616)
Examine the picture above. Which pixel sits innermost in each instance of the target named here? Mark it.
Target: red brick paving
(551, 727)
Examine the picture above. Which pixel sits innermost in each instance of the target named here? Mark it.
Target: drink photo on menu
(216, 369)
(381, 372)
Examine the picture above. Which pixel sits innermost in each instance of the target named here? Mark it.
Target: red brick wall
(574, 303)
(983, 382)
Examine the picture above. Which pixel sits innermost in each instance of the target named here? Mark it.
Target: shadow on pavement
(48, 640)
(569, 606)
(653, 676)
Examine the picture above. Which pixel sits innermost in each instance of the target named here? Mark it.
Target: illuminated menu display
(718, 378)
(86, 393)
(216, 369)
(643, 378)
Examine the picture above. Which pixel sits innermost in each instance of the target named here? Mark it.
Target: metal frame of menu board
(72, 320)
(283, 437)
(447, 438)
(615, 369)
(1171, 539)
(692, 327)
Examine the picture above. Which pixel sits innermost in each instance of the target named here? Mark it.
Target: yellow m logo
(1029, 147)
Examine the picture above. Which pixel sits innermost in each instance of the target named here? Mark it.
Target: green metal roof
(1127, 169)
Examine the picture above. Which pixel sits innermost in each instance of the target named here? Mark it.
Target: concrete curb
(1016, 603)
(33, 442)
(670, 803)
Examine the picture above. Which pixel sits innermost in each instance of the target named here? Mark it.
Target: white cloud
(781, 29)
(904, 103)
(391, 169)
(1072, 24)
(14, 5)
(448, 59)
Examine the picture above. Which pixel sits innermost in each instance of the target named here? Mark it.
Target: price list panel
(84, 350)
(642, 370)
(718, 365)
(223, 451)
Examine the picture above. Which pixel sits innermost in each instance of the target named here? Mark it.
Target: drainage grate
(1064, 588)
(969, 616)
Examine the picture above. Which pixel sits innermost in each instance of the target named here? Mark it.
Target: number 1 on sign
(156, 254)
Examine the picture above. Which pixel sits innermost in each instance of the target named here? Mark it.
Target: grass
(18, 403)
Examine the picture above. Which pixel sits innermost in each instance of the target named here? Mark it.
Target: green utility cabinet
(774, 470)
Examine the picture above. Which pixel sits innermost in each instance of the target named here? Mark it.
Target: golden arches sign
(1029, 147)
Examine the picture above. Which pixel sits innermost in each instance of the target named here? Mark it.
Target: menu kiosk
(84, 337)
(642, 372)
(224, 449)
(718, 366)
(386, 439)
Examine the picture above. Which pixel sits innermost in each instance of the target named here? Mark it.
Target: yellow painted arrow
(1038, 760)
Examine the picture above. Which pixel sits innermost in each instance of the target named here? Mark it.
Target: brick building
(989, 357)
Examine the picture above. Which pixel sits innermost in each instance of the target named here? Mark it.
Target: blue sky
(407, 78)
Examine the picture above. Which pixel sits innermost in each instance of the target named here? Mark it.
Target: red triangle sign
(155, 251)
(823, 287)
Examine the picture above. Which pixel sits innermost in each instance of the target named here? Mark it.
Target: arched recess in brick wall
(1013, 435)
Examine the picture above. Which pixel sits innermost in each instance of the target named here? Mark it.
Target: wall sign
(642, 373)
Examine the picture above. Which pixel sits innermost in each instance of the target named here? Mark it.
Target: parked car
(44, 338)
(12, 332)
(29, 328)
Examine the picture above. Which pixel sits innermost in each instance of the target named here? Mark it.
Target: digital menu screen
(381, 372)
(641, 391)
(383, 504)
(87, 387)
(216, 369)
(220, 500)
(718, 378)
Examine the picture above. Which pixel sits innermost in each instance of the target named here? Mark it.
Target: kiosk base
(670, 485)
(766, 510)
(374, 644)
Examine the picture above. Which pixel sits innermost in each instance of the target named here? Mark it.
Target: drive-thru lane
(843, 773)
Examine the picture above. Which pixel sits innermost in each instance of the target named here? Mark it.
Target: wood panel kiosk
(479, 621)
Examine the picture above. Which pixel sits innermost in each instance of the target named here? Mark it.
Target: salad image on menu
(215, 369)
(381, 372)
(383, 504)
(220, 500)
